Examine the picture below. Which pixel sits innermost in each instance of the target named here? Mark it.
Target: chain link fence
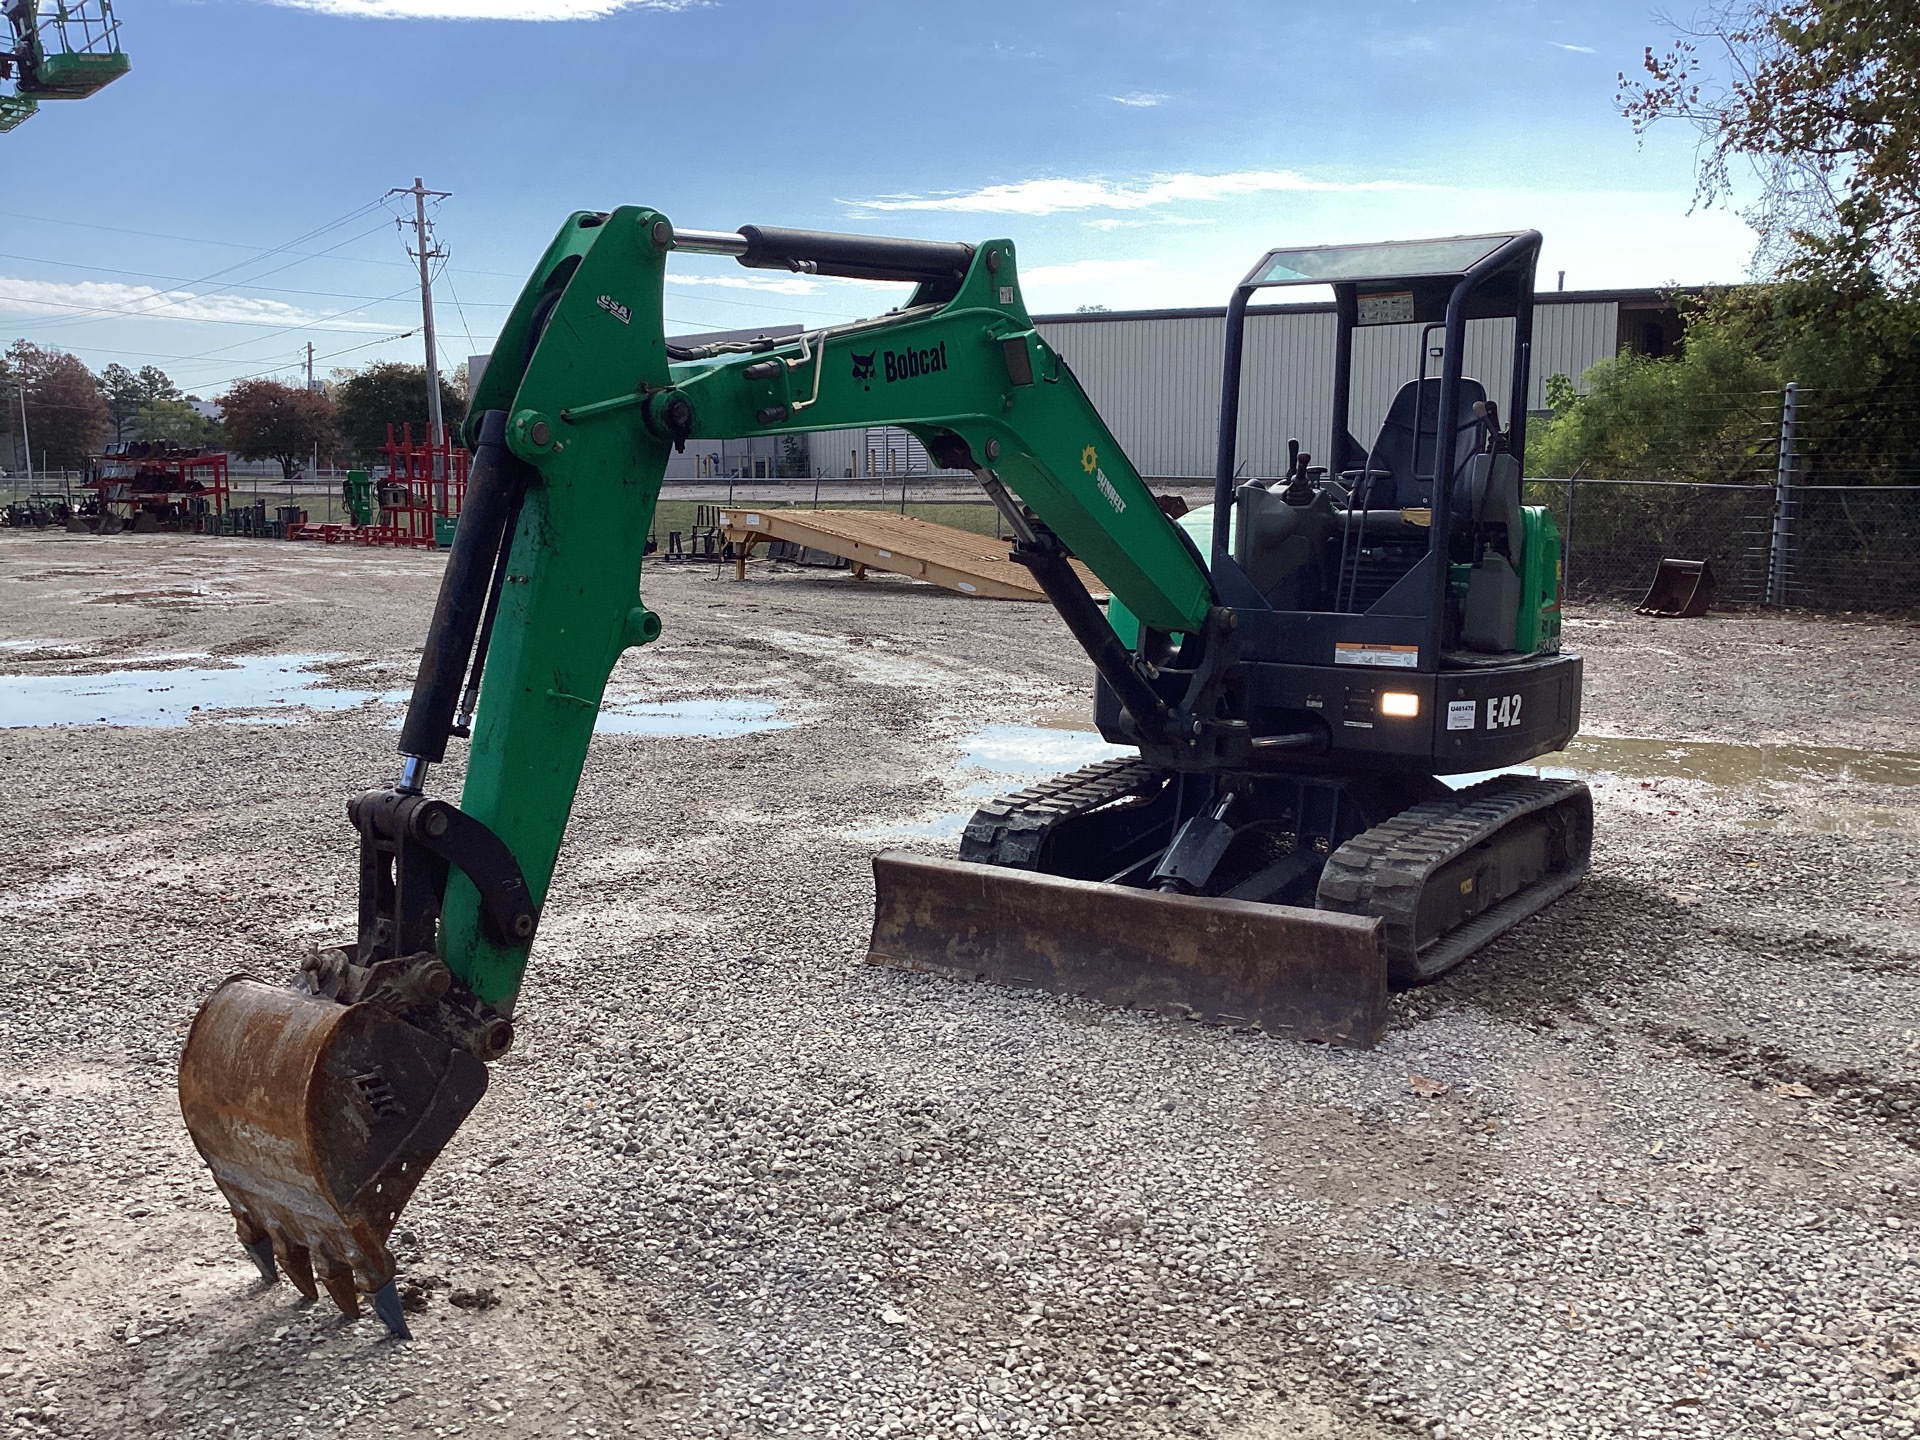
(1822, 547)
(1617, 532)
(1852, 547)
(1802, 498)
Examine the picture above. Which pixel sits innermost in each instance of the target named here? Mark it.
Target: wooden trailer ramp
(899, 544)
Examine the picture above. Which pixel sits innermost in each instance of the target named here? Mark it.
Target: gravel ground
(1646, 1167)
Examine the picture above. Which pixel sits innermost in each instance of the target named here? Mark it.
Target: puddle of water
(1714, 763)
(1008, 757)
(1033, 752)
(690, 719)
(165, 698)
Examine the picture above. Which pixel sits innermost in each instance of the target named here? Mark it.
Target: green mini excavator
(1295, 668)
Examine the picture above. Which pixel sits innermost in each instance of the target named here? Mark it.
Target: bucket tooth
(386, 1304)
(259, 1247)
(296, 1262)
(339, 1282)
(1303, 973)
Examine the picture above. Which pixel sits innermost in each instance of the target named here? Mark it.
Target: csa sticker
(1460, 714)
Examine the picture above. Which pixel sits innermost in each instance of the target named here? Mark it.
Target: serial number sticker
(1398, 657)
(1461, 713)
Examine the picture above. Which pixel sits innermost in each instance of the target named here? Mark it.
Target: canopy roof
(1384, 262)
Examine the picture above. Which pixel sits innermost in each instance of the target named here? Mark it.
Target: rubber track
(1011, 829)
(1383, 871)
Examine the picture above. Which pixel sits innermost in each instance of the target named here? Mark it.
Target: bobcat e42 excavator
(1295, 670)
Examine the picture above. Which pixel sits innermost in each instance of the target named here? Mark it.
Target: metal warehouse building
(1155, 376)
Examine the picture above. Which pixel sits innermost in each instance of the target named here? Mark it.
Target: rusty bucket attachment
(318, 1120)
(1308, 974)
(1681, 590)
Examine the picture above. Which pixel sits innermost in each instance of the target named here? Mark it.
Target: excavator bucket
(1308, 974)
(1681, 590)
(318, 1120)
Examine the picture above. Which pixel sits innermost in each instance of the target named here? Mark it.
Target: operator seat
(1395, 483)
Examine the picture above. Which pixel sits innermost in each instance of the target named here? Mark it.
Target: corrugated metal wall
(1156, 379)
(1567, 339)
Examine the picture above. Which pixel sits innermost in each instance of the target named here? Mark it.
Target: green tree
(794, 457)
(267, 420)
(370, 399)
(1702, 415)
(1712, 413)
(129, 392)
(1822, 97)
(174, 421)
(121, 387)
(66, 413)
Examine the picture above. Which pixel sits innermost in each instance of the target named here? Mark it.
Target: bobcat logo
(863, 366)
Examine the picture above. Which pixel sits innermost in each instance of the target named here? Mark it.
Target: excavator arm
(318, 1107)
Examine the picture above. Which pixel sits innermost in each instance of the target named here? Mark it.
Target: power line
(181, 280)
(289, 329)
(198, 239)
(266, 254)
(105, 312)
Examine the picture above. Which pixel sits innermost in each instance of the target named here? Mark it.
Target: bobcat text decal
(902, 364)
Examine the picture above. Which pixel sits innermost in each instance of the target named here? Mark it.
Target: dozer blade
(318, 1120)
(1303, 973)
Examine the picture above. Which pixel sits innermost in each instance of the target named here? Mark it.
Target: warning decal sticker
(1359, 652)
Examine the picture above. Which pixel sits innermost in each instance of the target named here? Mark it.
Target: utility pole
(424, 250)
(26, 436)
(309, 364)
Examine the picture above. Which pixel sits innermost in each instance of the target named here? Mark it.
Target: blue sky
(1139, 154)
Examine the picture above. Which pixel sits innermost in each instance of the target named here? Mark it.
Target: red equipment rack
(165, 486)
(416, 501)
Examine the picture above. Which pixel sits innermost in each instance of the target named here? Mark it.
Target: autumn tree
(370, 399)
(267, 420)
(1822, 97)
(66, 414)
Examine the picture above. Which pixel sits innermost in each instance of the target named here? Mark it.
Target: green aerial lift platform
(60, 51)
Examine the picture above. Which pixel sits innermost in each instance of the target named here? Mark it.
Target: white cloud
(479, 9)
(1140, 99)
(105, 298)
(765, 284)
(1085, 272)
(1576, 49)
(1050, 196)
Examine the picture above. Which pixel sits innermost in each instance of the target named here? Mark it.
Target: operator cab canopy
(1394, 282)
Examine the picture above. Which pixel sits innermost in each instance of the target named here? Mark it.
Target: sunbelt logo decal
(900, 364)
(1090, 462)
